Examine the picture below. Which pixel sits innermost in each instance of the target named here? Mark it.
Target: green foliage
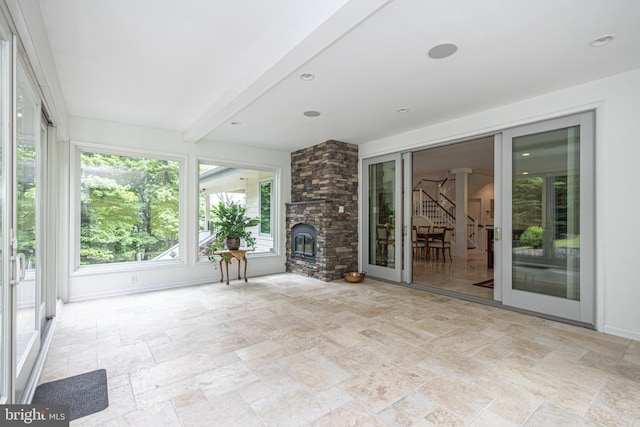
(572, 242)
(527, 202)
(231, 220)
(26, 201)
(129, 208)
(532, 237)
(265, 207)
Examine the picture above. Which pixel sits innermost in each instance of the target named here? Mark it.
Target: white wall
(616, 101)
(116, 279)
(485, 194)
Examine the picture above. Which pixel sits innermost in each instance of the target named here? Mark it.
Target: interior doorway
(453, 190)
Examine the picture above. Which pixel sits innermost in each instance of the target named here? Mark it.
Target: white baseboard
(620, 332)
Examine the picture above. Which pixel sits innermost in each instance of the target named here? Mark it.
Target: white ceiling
(438, 162)
(196, 66)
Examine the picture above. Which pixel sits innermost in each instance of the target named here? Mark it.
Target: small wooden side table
(227, 255)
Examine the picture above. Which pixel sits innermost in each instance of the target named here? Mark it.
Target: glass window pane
(265, 208)
(308, 245)
(546, 208)
(252, 188)
(129, 209)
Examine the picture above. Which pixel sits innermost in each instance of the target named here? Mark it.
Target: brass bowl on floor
(354, 277)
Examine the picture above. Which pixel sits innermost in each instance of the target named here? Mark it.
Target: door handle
(19, 268)
(22, 266)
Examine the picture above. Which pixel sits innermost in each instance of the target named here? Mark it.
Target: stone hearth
(324, 195)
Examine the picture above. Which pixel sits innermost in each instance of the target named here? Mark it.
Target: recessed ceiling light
(402, 110)
(307, 77)
(311, 113)
(442, 50)
(526, 154)
(601, 41)
(525, 173)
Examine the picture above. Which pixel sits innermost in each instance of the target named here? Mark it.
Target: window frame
(77, 148)
(7, 46)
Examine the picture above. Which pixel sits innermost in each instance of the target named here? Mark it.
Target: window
(253, 188)
(265, 207)
(129, 208)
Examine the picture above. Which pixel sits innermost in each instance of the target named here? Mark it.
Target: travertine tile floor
(287, 350)
(457, 275)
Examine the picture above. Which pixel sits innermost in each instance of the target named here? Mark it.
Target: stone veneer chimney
(324, 194)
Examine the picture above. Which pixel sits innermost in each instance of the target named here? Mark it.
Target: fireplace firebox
(303, 239)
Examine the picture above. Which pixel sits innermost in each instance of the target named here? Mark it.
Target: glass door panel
(382, 185)
(546, 213)
(26, 291)
(549, 218)
(381, 214)
(5, 171)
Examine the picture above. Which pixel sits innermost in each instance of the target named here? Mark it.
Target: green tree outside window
(129, 208)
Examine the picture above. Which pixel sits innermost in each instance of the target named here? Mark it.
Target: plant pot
(233, 243)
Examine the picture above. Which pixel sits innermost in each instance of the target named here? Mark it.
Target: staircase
(442, 213)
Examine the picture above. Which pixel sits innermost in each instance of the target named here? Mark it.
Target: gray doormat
(85, 393)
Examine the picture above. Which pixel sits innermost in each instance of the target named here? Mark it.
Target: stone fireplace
(322, 218)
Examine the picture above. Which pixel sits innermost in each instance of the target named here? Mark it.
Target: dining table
(432, 234)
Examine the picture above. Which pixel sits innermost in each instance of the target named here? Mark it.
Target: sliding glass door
(548, 211)
(23, 290)
(26, 239)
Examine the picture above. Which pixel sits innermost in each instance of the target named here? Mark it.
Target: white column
(462, 181)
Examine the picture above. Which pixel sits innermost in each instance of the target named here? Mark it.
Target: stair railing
(474, 229)
(427, 206)
(442, 213)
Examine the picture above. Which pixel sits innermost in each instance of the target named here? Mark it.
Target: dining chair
(440, 241)
(419, 241)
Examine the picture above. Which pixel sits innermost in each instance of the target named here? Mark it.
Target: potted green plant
(231, 224)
